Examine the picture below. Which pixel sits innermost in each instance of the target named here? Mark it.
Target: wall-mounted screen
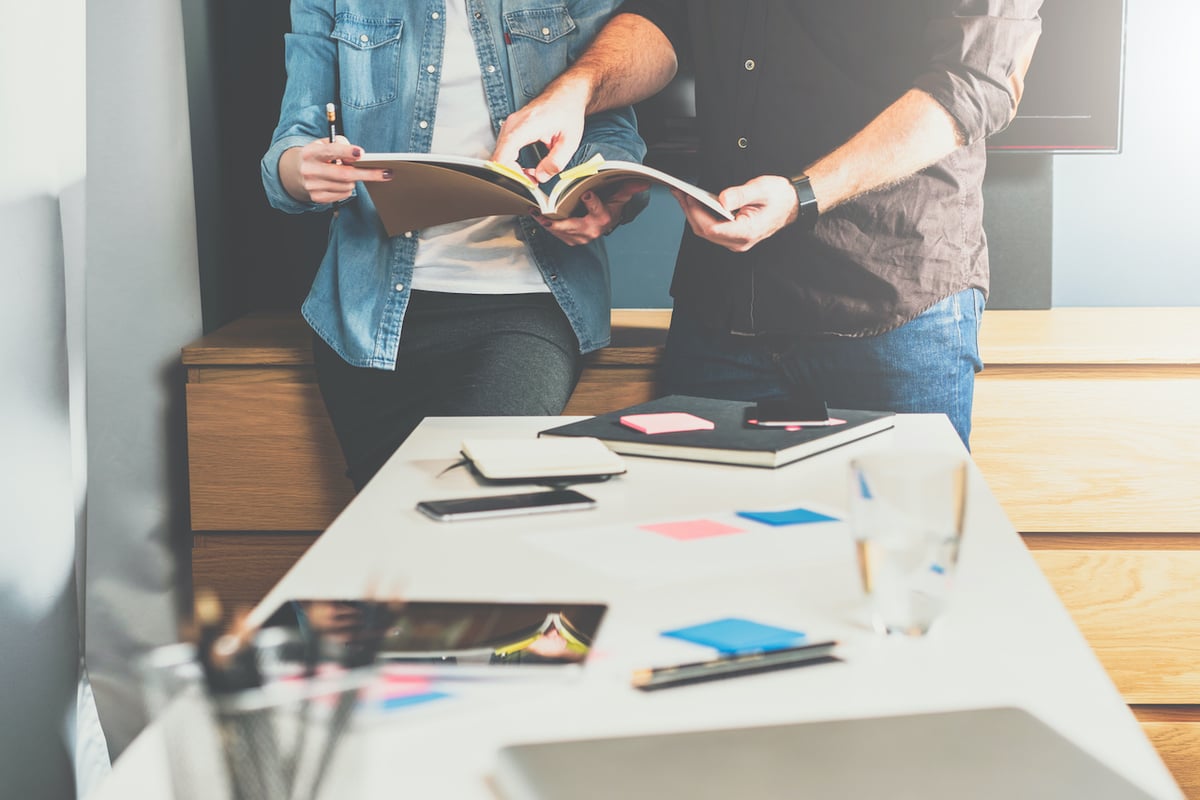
(1074, 88)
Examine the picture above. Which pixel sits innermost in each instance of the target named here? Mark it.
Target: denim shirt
(387, 58)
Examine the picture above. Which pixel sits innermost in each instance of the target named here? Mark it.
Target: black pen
(733, 666)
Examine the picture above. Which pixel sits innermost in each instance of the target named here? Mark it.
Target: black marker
(734, 665)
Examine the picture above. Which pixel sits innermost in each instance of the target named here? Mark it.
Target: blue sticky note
(795, 516)
(405, 700)
(733, 635)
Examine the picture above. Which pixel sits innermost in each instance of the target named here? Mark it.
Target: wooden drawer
(242, 567)
(262, 456)
(1140, 612)
(1091, 448)
(1178, 743)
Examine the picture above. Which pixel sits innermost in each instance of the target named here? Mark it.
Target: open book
(428, 189)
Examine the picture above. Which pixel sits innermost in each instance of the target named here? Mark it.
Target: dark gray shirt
(780, 84)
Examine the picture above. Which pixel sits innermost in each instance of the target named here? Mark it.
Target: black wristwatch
(807, 219)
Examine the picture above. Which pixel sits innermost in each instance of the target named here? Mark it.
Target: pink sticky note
(666, 422)
(395, 684)
(692, 529)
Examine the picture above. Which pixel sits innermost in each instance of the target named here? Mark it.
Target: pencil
(733, 666)
(331, 115)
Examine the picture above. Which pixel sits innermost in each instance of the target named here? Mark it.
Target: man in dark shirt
(851, 137)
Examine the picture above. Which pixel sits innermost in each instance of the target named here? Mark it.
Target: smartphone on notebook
(505, 505)
(788, 412)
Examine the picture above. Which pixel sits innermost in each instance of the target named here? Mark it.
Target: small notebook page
(501, 459)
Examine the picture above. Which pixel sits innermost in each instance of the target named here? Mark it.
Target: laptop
(980, 754)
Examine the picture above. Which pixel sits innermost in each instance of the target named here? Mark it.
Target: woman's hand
(320, 172)
(602, 218)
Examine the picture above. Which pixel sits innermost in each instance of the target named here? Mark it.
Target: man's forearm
(909, 135)
(629, 60)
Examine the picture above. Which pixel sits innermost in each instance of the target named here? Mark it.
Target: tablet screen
(480, 633)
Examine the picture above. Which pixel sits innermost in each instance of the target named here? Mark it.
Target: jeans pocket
(541, 40)
(368, 59)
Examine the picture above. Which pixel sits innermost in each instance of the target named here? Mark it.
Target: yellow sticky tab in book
(510, 172)
(589, 167)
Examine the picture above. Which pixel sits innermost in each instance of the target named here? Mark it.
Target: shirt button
(750, 63)
(553, 277)
(399, 287)
(431, 68)
(743, 143)
(435, 15)
(423, 124)
(491, 68)
(545, 31)
(364, 38)
(408, 234)
(478, 14)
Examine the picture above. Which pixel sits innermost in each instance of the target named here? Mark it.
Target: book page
(567, 194)
(428, 190)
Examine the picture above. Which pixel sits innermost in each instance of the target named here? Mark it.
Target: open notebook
(540, 460)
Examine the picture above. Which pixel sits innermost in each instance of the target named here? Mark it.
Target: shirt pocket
(540, 44)
(368, 59)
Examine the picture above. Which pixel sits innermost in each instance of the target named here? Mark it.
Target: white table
(1006, 639)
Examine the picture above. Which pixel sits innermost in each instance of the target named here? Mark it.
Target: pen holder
(290, 738)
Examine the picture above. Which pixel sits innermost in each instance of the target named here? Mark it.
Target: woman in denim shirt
(482, 317)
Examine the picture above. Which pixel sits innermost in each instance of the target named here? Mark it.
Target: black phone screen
(505, 504)
(778, 411)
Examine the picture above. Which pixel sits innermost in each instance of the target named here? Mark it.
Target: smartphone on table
(505, 505)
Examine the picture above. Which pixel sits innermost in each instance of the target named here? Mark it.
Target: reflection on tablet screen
(443, 632)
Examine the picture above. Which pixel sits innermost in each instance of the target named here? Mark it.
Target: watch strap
(807, 199)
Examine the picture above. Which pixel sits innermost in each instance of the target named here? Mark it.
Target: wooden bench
(1085, 425)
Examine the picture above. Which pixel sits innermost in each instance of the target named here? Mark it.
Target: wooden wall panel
(1140, 612)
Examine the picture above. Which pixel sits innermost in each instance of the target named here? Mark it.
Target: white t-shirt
(474, 256)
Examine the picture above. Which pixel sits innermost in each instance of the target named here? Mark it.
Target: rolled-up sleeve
(309, 56)
(977, 52)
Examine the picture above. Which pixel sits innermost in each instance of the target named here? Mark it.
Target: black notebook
(729, 441)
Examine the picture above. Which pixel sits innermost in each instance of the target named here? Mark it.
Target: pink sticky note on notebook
(666, 422)
(692, 529)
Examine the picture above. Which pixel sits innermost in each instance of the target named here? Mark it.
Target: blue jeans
(927, 365)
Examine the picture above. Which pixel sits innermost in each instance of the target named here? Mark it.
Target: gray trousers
(460, 355)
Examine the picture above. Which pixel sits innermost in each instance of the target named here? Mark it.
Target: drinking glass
(907, 511)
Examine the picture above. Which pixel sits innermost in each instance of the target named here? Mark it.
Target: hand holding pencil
(320, 171)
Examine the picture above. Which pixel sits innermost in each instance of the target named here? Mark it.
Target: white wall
(143, 306)
(41, 174)
(1127, 226)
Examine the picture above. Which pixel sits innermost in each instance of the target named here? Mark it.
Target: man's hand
(319, 172)
(602, 218)
(763, 206)
(555, 119)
